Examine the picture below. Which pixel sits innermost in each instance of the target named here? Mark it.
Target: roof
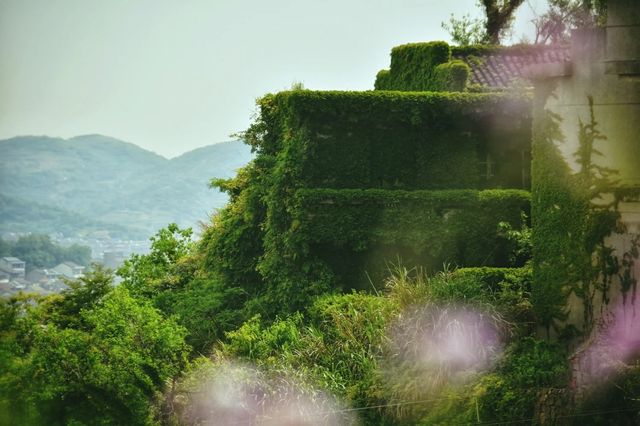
(11, 259)
(502, 67)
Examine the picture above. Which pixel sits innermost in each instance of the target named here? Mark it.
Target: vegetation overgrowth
(287, 310)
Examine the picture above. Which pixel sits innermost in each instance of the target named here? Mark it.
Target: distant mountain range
(95, 182)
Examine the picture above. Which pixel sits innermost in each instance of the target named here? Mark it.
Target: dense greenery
(286, 238)
(38, 251)
(375, 264)
(21, 216)
(91, 355)
(423, 67)
(342, 344)
(356, 231)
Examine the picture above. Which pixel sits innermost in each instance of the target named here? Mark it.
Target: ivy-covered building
(420, 171)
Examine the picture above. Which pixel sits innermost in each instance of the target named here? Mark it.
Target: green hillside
(111, 182)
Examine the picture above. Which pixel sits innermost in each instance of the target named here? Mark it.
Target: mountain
(109, 182)
(24, 216)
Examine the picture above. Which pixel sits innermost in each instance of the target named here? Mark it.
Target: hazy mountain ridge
(105, 180)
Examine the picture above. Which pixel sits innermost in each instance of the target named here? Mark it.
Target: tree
(83, 294)
(38, 251)
(555, 25)
(465, 31)
(107, 372)
(499, 15)
(149, 274)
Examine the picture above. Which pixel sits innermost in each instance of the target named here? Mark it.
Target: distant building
(113, 259)
(20, 284)
(12, 266)
(42, 276)
(69, 270)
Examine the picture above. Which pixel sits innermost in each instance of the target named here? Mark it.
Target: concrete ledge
(542, 71)
(622, 67)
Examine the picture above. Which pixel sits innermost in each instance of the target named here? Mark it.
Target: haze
(171, 76)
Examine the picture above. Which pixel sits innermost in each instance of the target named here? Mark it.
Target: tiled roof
(503, 67)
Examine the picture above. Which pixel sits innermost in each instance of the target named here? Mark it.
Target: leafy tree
(82, 294)
(38, 251)
(107, 372)
(500, 14)
(555, 25)
(465, 31)
(5, 248)
(76, 253)
(171, 278)
(148, 275)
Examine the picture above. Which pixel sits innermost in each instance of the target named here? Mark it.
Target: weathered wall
(586, 171)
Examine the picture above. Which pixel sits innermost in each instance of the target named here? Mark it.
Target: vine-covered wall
(346, 181)
(359, 232)
(423, 67)
(399, 140)
(584, 142)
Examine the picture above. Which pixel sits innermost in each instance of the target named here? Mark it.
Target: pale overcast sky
(171, 76)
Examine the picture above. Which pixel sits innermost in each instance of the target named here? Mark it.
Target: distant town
(17, 275)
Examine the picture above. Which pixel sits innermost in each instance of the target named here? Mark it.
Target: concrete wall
(605, 65)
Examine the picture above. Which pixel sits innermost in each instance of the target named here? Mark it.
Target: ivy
(572, 224)
(423, 67)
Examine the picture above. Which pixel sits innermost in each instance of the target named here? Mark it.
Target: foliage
(500, 15)
(103, 365)
(335, 349)
(572, 222)
(528, 367)
(342, 344)
(206, 309)
(38, 251)
(266, 245)
(18, 215)
(555, 25)
(423, 67)
(387, 139)
(358, 230)
(85, 293)
(465, 31)
(171, 278)
(149, 274)
(616, 401)
(520, 240)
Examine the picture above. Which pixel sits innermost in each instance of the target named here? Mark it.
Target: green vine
(575, 214)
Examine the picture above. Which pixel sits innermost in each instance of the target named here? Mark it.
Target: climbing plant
(575, 214)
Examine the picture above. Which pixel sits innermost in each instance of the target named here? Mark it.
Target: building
(42, 276)
(586, 194)
(12, 266)
(69, 270)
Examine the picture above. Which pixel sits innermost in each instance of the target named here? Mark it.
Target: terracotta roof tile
(503, 67)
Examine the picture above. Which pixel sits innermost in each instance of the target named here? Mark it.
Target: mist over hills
(96, 182)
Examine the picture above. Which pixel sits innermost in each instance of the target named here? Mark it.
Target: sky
(175, 75)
